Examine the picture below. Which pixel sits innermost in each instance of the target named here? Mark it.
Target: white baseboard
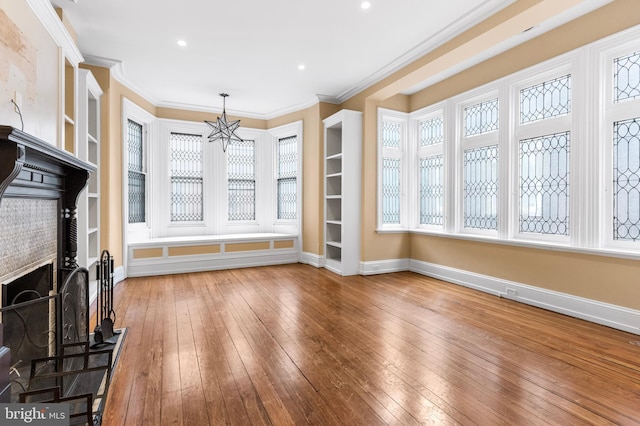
(312, 259)
(384, 266)
(607, 314)
(118, 276)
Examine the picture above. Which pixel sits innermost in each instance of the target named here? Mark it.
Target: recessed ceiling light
(301, 67)
(365, 4)
(182, 43)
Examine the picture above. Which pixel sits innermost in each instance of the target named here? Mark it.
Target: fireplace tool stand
(104, 334)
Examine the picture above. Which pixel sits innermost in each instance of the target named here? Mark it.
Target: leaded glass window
(241, 171)
(626, 180)
(481, 118)
(545, 100)
(481, 187)
(626, 77)
(544, 184)
(391, 134)
(431, 132)
(185, 152)
(287, 165)
(391, 191)
(136, 173)
(431, 190)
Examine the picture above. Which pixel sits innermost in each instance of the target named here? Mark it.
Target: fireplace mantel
(33, 169)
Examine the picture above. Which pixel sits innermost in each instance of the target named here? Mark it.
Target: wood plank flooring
(295, 345)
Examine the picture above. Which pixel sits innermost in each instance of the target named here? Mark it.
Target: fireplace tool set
(104, 334)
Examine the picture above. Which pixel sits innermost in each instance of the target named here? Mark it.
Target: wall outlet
(512, 292)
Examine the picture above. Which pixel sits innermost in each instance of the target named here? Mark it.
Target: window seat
(174, 255)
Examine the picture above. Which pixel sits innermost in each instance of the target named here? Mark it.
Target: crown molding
(117, 72)
(468, 20)
(267, 116)
(56, 29)
(329, 99)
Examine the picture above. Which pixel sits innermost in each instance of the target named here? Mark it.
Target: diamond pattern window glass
(545, 100)
(391, 134)
(481, 118)
(391, 191)
(241, 175)
(287, 165)
(431, 190)
(626, 180)
(185, 152)
(626, 77)
(431, 132)
(481, 187)
(544, 184)
(136, 173)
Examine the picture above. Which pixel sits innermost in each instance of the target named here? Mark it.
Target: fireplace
(39, 187)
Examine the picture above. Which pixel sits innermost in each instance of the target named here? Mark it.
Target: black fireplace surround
(33, 169)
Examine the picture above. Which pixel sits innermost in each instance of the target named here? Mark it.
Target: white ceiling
(252, 49)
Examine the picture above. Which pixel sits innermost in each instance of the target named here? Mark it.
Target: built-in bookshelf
(342, 183)
(88, 125)
(69, 107)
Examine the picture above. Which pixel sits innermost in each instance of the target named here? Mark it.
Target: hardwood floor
(298, 345)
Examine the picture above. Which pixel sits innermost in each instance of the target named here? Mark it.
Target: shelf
(88, 149)
(333, 253)
(334, 185)
(342, 144)
(334, 209)
(334, 233)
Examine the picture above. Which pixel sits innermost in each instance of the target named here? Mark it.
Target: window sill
(203, 239)
(608, 252)
(393, 230)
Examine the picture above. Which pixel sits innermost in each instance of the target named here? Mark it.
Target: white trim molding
(56, 29)
(614, 316)
(384, 266)
(312, 259)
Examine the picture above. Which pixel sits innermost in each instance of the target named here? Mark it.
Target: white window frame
(277, 133)
(262, 150)
(131, 111)
(560, 124)
(606, 51)
(394, 153)
(590, 124)
(161, 207)
(463, 143)
(418, 152)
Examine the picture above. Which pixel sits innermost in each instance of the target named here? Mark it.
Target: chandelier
(223, 130)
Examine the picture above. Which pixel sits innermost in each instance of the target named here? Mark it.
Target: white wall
(29, 64)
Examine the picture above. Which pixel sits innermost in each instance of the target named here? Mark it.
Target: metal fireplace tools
(104, 334)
